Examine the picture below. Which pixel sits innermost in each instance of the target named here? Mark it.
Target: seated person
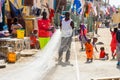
(14, 27)
(103, 54)
(34, 43)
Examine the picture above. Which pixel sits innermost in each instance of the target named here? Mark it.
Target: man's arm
(72, 24)
(60, 25)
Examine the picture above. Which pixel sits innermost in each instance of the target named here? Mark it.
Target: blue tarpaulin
(76, 6)
(14, 11)
(3, 14)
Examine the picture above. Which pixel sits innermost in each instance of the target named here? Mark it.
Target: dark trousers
(65, 46)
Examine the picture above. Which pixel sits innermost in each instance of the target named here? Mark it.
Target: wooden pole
(108, 1)
(105, 3)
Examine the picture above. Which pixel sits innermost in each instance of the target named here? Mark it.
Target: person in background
(66, 28)
(14, 27)
(107, 23)
(94, 43)
(34, 43)
(82, 35)
(95, 47)
(118, 45)
(113, 43)
(103, 55)
(43, 30)
(89, 51)
(51, 12)
(51, 18)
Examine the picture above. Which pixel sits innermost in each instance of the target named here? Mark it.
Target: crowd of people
(88, 44)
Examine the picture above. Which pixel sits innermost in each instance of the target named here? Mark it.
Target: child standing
(82, 36)
(94, 43)
(113, 43)
(89, 51)
(95, 48)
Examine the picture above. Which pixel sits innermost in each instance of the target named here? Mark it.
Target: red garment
(89, 50)
(51, 14)
(102, 54)
(83, 31)
(43, 28)
(33, 40)
(88, 7)
(113, 42)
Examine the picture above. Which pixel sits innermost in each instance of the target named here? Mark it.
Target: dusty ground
(77, 69)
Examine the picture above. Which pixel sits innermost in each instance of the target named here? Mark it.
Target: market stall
(17, 45)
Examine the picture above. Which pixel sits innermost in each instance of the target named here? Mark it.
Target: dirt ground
(77, 69)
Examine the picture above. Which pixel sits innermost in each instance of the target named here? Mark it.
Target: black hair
(95, 38)
(117, 11)
(67, 13)
(44, 13)
(102, 48)
(15, 20)
(115, 29)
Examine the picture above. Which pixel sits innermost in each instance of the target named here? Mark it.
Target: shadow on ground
(118, 67)
(64, 64)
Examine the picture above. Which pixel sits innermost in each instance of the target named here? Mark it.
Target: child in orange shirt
(89, 51)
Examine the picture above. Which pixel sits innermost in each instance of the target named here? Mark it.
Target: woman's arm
(110, 29)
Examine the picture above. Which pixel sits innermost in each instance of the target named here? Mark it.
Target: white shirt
(66, 28)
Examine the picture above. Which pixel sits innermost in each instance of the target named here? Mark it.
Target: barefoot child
(103, 54)
(89, 51)
(82, 36)
(94, 43)
(94, 46)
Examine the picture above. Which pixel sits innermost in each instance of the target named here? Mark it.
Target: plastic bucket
(20, 33)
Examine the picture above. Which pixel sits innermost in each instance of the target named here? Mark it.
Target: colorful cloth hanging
(0, 11)
(22, 2)
(16, 2)
(3, 14)
(77, 6)
(3, 1)
(14, 11)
